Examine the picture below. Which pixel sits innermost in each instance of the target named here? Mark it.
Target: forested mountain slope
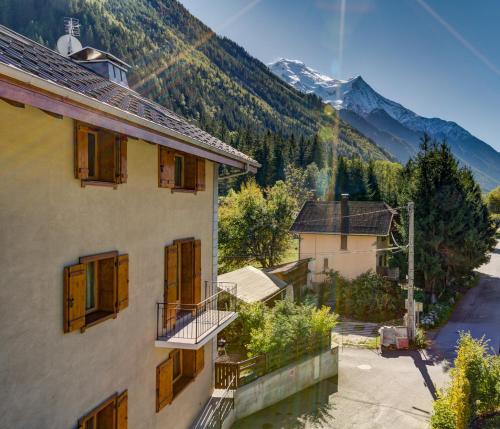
(182, 64)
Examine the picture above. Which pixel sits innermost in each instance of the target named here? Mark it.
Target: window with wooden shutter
(166, 168)
(180, 171)
(100, 156)
(97, 287)
(197, 271)
(110, 414)
(164, 384)
(122, 282)
(122, 410)
(200, 174)
(74, 297)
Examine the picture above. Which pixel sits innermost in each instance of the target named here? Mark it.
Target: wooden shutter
(108, 157)
(164, 384)
(122, 282)
(166, 167)
(197, 271)
(200, 174)
(107, 284)
(189, 172)
(74, 297)
(81, 153)
(199, 360)
(171, 285)
(121, 174)
(122, 410)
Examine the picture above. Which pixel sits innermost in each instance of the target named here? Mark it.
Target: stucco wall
(49, 379)
(280, 384)
(350, 263)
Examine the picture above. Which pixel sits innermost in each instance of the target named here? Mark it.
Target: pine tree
(302, 153)
(317, 154)
(372, 183)
(279, 161)
(341, 178)
(263, 157)
(357, 186)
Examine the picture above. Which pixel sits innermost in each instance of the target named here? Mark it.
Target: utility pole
(411, 273)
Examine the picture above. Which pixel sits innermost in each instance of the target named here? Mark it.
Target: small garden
(260, 329)
(473, 397)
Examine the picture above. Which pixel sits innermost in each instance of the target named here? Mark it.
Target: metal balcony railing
(192, 322)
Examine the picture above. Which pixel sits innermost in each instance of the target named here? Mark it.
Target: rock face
(389, 124)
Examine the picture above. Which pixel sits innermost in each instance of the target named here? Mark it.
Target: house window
(95, 289)
(180, 171)
(325, 264)
(176, 373)
(111, 414)
(100, 156)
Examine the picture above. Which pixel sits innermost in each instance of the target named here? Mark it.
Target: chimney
(344, 220)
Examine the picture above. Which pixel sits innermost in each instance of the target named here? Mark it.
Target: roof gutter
(239, 173)
(68, 94)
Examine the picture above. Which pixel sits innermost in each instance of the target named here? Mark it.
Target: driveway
(477, 312)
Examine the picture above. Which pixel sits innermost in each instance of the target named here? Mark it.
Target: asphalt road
(394, 390)
(477, 312)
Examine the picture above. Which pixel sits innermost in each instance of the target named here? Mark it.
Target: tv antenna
(69, 43)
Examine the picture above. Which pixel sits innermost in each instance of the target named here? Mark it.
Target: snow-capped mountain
(391, 125)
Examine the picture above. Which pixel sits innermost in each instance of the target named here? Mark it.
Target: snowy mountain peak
(388, 123)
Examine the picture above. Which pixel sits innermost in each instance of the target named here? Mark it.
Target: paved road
(394, 390)
(478, 312)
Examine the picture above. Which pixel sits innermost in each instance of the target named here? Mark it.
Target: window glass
(90, 302)
(179, 173)
(92, 154)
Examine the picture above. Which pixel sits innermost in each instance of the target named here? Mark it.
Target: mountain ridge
(356, 96)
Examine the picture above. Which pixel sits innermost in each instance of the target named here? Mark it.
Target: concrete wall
(49, 379)
(327, 246)
(274, 387)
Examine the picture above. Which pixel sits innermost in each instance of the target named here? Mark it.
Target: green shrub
(260, 329)
(474, 389)
(368, 297)
(420, 339)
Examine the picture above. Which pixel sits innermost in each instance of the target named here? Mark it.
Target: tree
(299, 184)
(278, 163)
(254, 227)
(453, 234)
(263, 157)
(317, 154)
(341, 178)
(372, 183)
(493, 201)
(302, 152)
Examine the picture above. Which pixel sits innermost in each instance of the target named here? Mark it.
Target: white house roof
(252, 284)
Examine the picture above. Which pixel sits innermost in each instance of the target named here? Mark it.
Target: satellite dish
(68, 44)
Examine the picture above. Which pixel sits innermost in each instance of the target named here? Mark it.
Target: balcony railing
(192, 325)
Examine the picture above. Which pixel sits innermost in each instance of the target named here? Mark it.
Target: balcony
(389, 273)
(190, 326)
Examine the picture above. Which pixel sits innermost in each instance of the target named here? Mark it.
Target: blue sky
(437, 57)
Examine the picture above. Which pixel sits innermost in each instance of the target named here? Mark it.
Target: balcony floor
(185, 335)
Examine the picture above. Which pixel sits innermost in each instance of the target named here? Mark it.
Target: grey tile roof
(31, 57)
(365, 218)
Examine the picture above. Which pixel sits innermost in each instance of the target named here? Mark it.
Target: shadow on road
(421, 360)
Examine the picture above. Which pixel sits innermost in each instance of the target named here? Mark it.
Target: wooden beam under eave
(54, 115)
(17, 92)
(12, 103)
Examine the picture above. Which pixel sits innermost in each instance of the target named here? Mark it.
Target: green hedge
(369, 297)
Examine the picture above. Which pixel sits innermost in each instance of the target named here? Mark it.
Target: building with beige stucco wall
(344, 236)
(85, 339)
